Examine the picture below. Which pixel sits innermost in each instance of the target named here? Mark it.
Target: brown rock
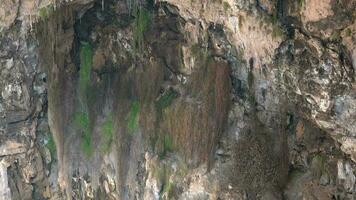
(267, 5)
(299, 130)
(11, 148)
(315, 10)
(98, 59)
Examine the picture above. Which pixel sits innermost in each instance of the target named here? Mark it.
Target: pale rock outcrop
(5, 193)
(346, 175)
(11, 148)
(253, 34)
(8, 13)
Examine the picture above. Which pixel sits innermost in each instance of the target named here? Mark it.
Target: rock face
(177, 99)
(5, 190)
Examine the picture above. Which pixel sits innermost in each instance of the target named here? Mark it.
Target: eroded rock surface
(177, 99)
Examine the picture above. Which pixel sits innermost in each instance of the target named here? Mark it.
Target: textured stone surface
(5, 192)
(236, 100)
(314, 10)
(11, 148)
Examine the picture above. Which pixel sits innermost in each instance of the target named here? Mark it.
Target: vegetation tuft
(163, 173)
(167, 146)
(335, 36)
(44, 12)
(168, 143)
(277, 31)
(348, 32)
(226, 6)
(167, 189)
(301, 3)
(133, 117)
(166, 100)
(169, 177)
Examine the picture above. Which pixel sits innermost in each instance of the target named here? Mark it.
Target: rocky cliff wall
(177, 99)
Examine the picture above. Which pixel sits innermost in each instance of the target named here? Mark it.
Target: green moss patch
(141, 25)
(167, 146)
(81, 121)
(51, 145)
(44, 12)
(87, 145)
(133, 117)
(168, 143)
(86, 55)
